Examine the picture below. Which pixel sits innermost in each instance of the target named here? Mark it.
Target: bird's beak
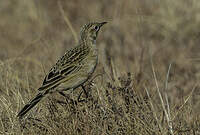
(101, 24)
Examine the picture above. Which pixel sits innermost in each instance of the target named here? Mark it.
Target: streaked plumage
(73, 69)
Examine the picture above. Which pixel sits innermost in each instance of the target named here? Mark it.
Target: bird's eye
(96, 28)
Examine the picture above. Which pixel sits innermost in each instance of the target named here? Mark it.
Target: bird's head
(90, 30)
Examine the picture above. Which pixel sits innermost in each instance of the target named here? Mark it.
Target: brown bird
(73, 69)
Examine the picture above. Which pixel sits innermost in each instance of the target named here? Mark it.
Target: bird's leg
(79, 100)
(86, 94)
(90, 83)
(63, 94)
(66, 97)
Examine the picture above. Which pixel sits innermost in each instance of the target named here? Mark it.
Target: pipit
(73, 69)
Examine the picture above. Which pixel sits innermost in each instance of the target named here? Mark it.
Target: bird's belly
(87, 70)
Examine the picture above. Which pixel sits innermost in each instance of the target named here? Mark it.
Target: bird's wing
(66, 66)
(53, 79)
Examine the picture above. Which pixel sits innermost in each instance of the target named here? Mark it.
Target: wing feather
(66, 66)
(52, 81)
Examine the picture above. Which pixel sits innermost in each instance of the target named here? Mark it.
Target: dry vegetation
(147, 81)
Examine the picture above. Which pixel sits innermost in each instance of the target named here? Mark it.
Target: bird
(71, 70)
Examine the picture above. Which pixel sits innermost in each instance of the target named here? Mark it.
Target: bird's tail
(31, 104)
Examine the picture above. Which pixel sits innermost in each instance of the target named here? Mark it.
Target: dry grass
(149, 67)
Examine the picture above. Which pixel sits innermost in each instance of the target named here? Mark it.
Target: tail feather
(30, 105)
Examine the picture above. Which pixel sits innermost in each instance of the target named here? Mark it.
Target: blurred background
(139, 34)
